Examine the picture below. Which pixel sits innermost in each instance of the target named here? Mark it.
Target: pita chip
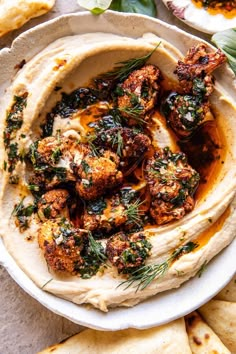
(229, 292)
(202, 338)
(221, 317)
(166, 339)
(15, 13)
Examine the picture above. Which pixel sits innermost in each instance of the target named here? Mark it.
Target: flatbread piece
(15, 13)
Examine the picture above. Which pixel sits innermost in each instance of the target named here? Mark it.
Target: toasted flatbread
(221, 317)
(229, 292)
(15, 13)
(202, 339)
(167, 339)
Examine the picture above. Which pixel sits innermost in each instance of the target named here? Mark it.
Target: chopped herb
(33, 187)
(13, 156)
(202, 269)
(22, 214)
(85, 166)
(93, 257)
(14, 118)
(47, 212)
(96, 206)
(56, 154)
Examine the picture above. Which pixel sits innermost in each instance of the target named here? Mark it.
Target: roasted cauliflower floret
(111, 212)
(198, 63)
(172, 183)
(128, 252)
(53, 204)
(128, 144)
(104, 214)
(139, 94)
(186, 110)
(55, 160)
(96, 175)
(62, 244)
(184, 113)
(58, 152)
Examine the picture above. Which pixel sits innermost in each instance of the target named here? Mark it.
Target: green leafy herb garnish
(134, 113)
(133, 213)
(146, 7)
(22, 214)
(226, 41)
(124, 68)
(96, 248)
(148, 273)
(202, 269)
(117, 140)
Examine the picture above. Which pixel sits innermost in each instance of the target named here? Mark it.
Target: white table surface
(25, 325)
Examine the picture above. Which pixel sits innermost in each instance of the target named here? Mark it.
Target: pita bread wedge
(229, 292)
(221, 317)
(15, 13)
(167, 339)
(202, 339)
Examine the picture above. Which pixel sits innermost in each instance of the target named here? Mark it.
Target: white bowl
(163, 307)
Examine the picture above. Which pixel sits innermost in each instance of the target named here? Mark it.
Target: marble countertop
(26, 326)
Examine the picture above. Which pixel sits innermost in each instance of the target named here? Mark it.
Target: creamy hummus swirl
(71, 62)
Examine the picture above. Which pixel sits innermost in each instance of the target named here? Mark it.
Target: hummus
(63, 66)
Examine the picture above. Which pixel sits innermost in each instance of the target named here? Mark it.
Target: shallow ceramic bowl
(163, 307)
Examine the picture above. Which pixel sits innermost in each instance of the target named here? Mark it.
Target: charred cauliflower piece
(128, 144)
(96, 175)
(61, 244)
(55, 160)
(107, 214)
(184, 113)
(53, 204)
(139, 94)
(199, 64)
(172, 183)
(128, 252)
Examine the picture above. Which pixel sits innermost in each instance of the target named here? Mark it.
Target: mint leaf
(145, 7)
(226, 41)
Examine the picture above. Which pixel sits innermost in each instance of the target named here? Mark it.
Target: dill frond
(133, 112)
(96, 248)
(145, 275)
(133, 212)
(124, 68)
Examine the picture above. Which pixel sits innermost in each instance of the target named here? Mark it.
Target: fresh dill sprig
(133, 112)
(89, 138)
(146, 274)
(124, 68)
(47, 282)
(133, 212)
(96, 248)
(117, 140)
